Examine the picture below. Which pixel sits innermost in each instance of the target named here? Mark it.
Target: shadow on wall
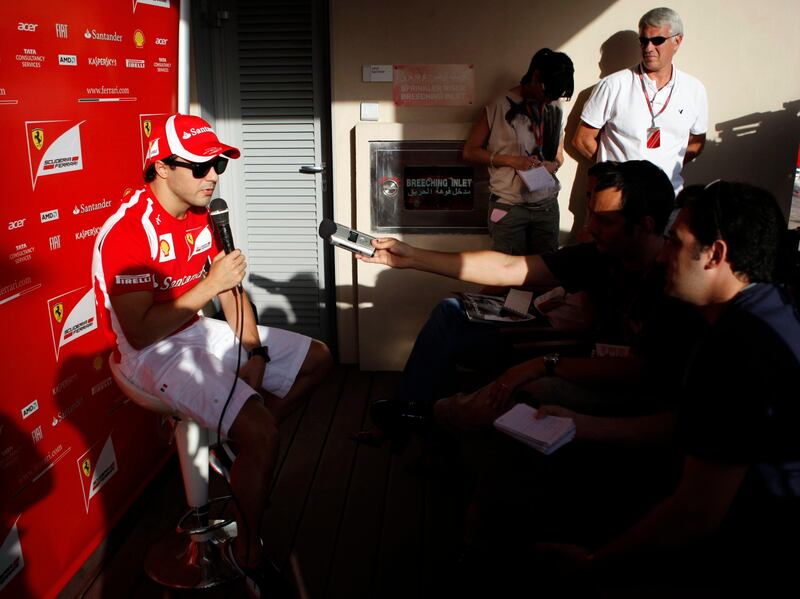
(760, 149)
(618, 52)
(301, 292)
(25, 481)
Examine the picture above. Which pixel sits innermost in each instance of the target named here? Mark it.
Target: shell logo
(138, 38)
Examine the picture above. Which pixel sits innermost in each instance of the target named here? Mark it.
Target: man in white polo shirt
(651, 111)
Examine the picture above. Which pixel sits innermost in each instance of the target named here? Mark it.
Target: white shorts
(193, 371)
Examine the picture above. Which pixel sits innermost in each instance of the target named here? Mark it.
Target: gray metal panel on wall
(265, 82)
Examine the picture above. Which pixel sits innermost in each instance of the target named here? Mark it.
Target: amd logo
(49, 215)
(30, 409)
(30, 27)
(16, 224)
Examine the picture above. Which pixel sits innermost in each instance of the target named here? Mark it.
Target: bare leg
(315, 368)
(255, 433)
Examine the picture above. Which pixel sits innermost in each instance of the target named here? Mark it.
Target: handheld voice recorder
(346, 238)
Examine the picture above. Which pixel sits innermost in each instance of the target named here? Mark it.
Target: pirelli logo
(133, 279)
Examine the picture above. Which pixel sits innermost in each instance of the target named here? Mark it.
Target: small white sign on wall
(375, 73)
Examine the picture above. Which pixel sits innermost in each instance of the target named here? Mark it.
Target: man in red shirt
(156, 264)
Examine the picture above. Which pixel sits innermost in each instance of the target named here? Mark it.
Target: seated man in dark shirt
(738, 502)
(629, 208)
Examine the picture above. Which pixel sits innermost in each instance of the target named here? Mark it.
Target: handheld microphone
(218, 208)
(222, 223)
(346, 238)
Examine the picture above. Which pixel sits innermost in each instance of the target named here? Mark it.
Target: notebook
(545, 435)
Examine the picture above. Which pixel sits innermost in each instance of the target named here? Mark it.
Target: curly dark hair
(746, 217)
(646, 190)
(555, 73)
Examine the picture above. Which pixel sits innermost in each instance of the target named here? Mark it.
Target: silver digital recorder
(346, 238)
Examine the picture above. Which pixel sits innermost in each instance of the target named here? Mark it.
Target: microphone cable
(240, 315)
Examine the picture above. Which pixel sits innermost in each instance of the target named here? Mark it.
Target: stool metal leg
(192, 556)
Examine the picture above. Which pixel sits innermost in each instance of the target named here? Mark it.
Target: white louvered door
(277, 108)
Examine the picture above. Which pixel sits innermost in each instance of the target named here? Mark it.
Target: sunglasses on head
(200, 169)
(657, 40)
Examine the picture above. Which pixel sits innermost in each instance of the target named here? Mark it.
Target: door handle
(311, 169)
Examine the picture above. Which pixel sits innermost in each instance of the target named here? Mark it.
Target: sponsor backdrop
(82, 83)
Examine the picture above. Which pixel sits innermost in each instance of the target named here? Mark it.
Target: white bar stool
(191, 556)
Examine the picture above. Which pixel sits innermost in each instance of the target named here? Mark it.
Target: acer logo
(27, 26)
(16, 224)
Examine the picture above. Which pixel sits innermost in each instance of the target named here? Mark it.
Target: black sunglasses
(200, 169)
(657, 40)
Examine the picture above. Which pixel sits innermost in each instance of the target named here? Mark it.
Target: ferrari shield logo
(38, 138)
(147, 125)
(86, 467)
(58, 311)
(189, 239)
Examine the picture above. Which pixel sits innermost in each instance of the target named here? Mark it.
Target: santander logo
(196, 131)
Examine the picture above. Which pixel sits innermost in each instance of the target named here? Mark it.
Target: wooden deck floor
(351, 521)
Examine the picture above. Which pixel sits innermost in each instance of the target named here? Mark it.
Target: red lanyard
(650, 104)
(538, 136)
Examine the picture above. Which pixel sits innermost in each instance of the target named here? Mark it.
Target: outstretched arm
(483, 267)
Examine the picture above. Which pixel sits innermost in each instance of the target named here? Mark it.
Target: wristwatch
(550, 363)
(262, 351)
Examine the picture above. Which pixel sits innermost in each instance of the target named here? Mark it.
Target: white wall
(746, 54)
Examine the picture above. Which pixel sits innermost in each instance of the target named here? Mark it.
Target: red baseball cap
(189, 137)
